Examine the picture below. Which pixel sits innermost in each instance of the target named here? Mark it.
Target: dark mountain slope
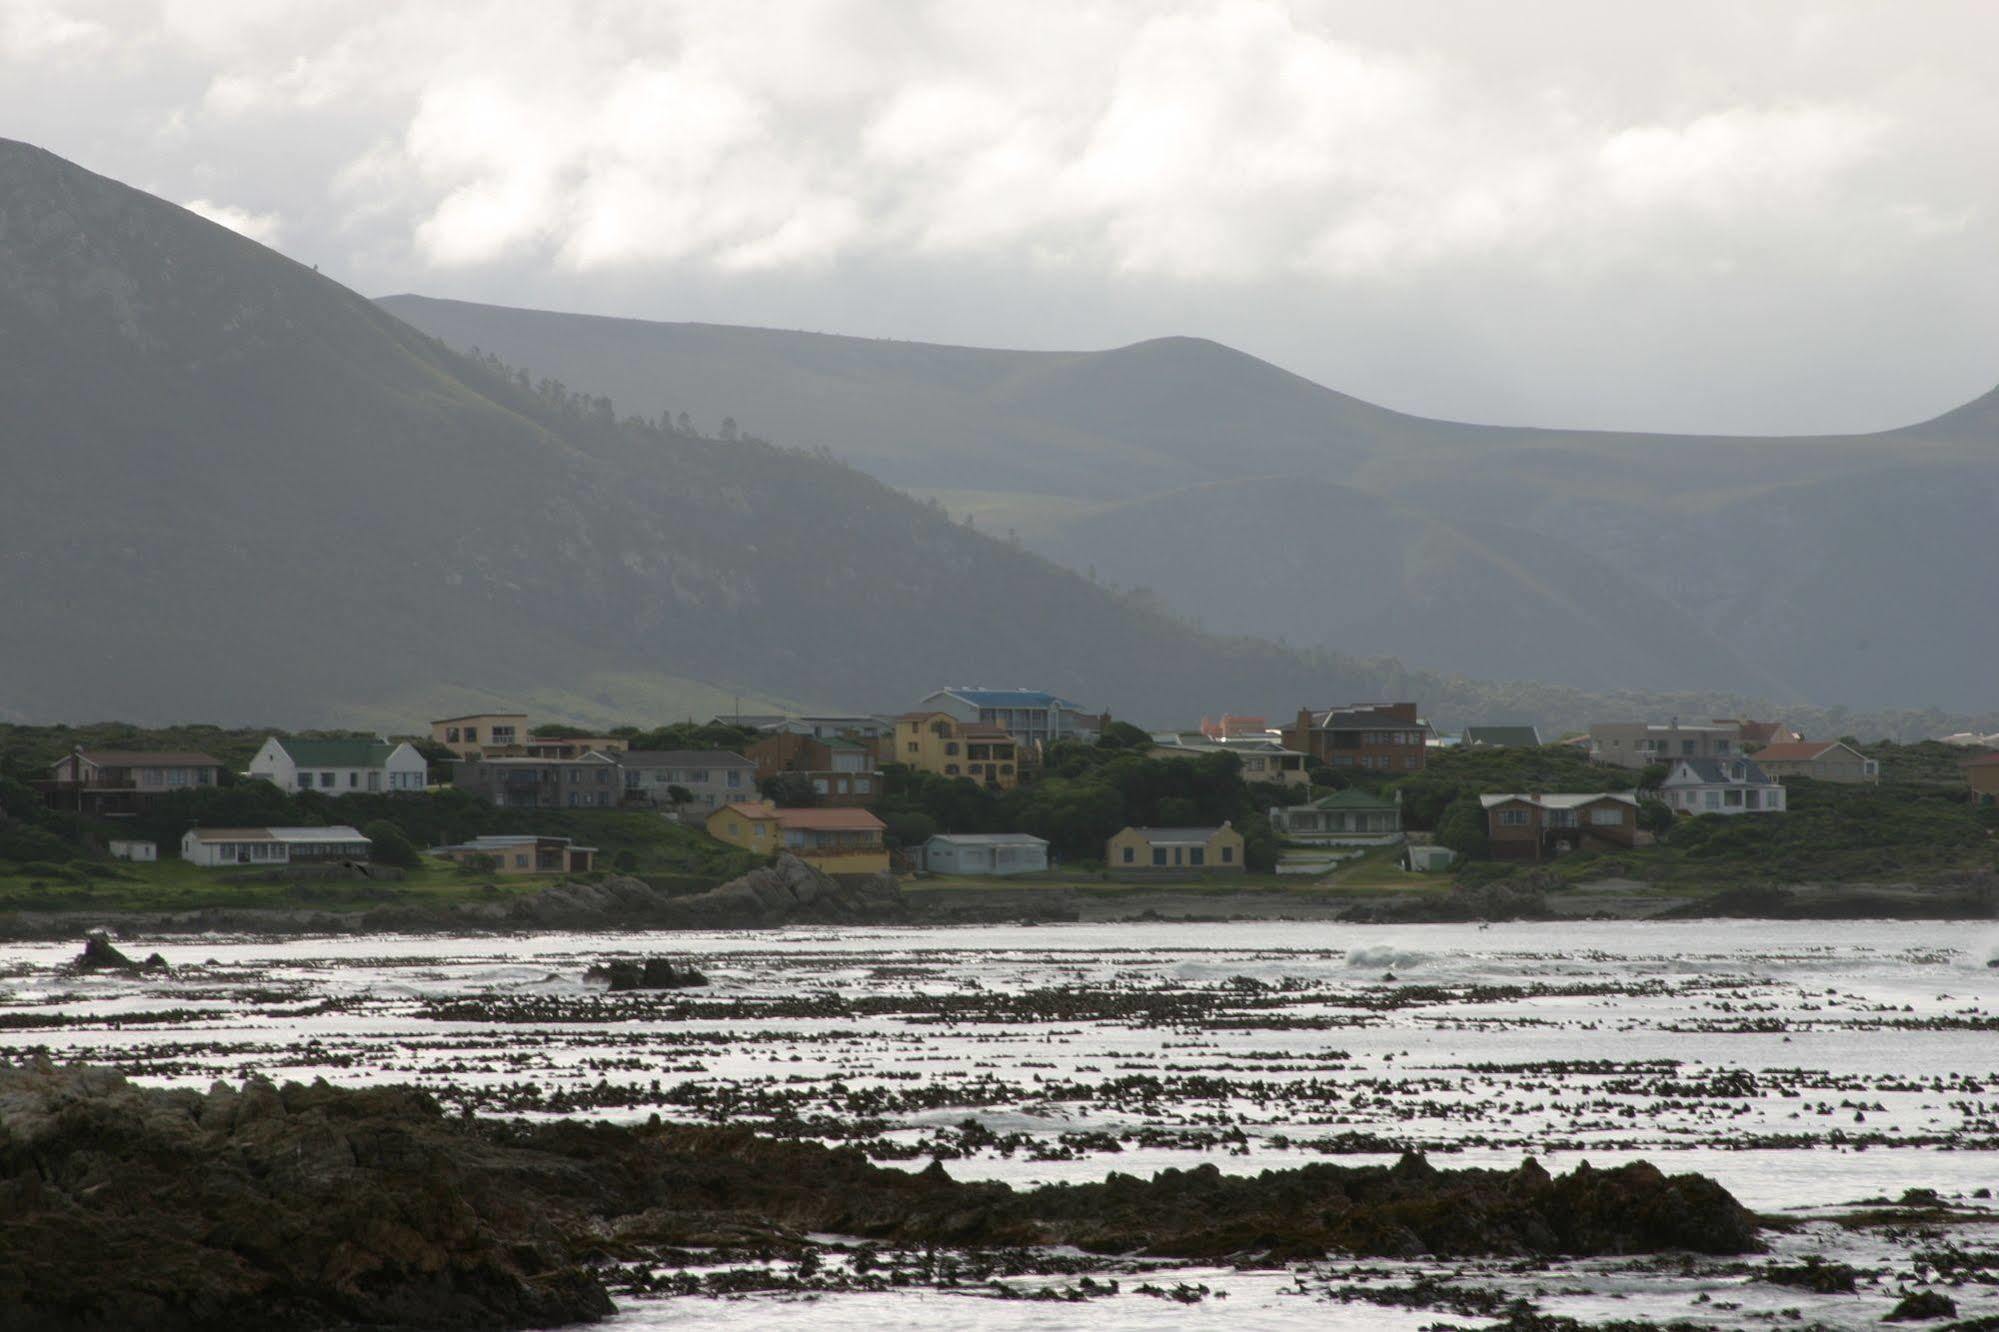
(1702, 561)
(235, 490)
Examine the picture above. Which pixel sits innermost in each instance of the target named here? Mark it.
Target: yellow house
(1174, 853)
(949, 746)
(752, 825)
(831, 840)
(481, 733)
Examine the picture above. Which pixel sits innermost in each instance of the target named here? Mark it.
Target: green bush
(391, 845)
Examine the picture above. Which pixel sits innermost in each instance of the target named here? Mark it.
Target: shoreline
(770, 899)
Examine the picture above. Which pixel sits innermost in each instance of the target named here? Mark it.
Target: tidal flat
(1840, 1079)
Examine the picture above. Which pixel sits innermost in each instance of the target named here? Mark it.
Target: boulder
(654, 973)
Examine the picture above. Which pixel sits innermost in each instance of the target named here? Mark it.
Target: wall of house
(1179, 863)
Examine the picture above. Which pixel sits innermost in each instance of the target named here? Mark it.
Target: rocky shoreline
(317, 1207)
(790, 892)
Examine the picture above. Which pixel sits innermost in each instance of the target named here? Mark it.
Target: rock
(1920, 1306)
(99, 954)
(654, 973)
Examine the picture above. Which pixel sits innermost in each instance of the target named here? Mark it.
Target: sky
(1763, 218)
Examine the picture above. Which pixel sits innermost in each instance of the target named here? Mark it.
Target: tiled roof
(683, 758)
(829, 820)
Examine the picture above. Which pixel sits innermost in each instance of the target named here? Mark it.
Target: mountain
(236, 491)
(1844, 569)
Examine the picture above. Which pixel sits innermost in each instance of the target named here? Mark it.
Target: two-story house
(120, 781)
(340, 767)
(1537, 827)
(591, 782)
(481, 733)
(1382, 738)
(1263, 759)
(841, 769)
(1033, 717)
(711, 777)
(942, 743)
(1721, 786)
(1638, 744)
(1821, 760)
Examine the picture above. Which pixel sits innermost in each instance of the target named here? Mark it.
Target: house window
(1129, 855)
(950, 770)
(176, 776)
(1607, 818)
(1228, 855)
(699, 776)
(374, 781)
(471, 735)
(1006, 770)
(819, 785)
(503, 735)
(326, 781)
(520, 861)
(451, 735)
(863, 786)
(573, 800)
(1159, 855)
(1714, 800)
(1197, 855)
(305, 781)
(353, 781)
(603, 776)
(915, 748)
(1734, 799)
(1513, 818)
(735, 778)
(950, 746)
(1410, 762)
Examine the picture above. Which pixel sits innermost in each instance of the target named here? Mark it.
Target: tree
(679, 796)
(1461, 828)
(790, 789)
(1123, 735)
(1655, 816)
(391, 845)
(910, 827)
(729, 429)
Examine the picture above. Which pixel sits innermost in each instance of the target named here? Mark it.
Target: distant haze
(1688, 217)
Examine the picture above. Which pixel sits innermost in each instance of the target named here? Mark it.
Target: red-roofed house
(1983, 775)
(1821, 760)
(834, 841)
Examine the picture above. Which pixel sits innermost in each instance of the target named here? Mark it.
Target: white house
(340, 767)
(125, 848)
(272, 846)
(1721, 786)
(988, 854)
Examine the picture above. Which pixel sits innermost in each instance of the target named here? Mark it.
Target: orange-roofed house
(831, 840)
(1983, 775)
(1821, 760)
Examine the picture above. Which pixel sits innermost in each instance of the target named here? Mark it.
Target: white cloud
(264, 228)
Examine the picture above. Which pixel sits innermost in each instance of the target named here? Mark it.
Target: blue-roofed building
(1031, 716)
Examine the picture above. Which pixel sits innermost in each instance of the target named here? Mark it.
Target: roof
(749, 809)
(830, 820)
(131, 758)
(1009, 698)
(1560, 799)
(1370, 716)
(1503, 737)
(1171, 835)
(1351, 798)
(1797, 750)
(1716, 772)
(1756, 732)
(478, 716)
(990, 839)
(337, 753)
(338, 832)
(507, 841)
(537, 761)
(683, 758)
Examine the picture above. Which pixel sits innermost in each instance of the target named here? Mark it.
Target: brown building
(1821, 760)
(1983, 775)
(1376, 737)
(1541, 827)
(591, 782)
(840, 768)
(120, 781)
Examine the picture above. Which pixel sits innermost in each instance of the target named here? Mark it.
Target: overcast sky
(1667, 215)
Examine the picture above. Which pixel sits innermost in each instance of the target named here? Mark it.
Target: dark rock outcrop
(311, 1207)
(100, 954)
(654, 973)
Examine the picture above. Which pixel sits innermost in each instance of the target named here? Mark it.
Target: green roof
(338, 753)
(1351, 798)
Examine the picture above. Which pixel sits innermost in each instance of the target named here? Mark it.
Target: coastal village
(974, 783)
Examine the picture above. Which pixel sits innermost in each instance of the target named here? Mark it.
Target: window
(1129, 855)
(1197, 855)
(374, 781)
(304, 781)
(1714, 800)
(573, 800)
(820, 787)
(735, 778)
(698, 776)
(149, 777)
(1410, 762)
(176, 776)
(915, 748)
(863, 786)
(1721, 746)
(1607, 818)
(951, 747)
(950, 770)
(1513, 818)
(1228, 855)
(574, 777)
(471, 735)
(520, 861)
(354, 781)
(1688, 748)
(603, 776)
(502, 735)
(326, 781)
(451, 735)
(1159, 855)
(1734, 799)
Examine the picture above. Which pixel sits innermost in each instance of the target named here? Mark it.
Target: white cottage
(214, 847)
(994, 855)
(1721, 786)
(340, 767)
